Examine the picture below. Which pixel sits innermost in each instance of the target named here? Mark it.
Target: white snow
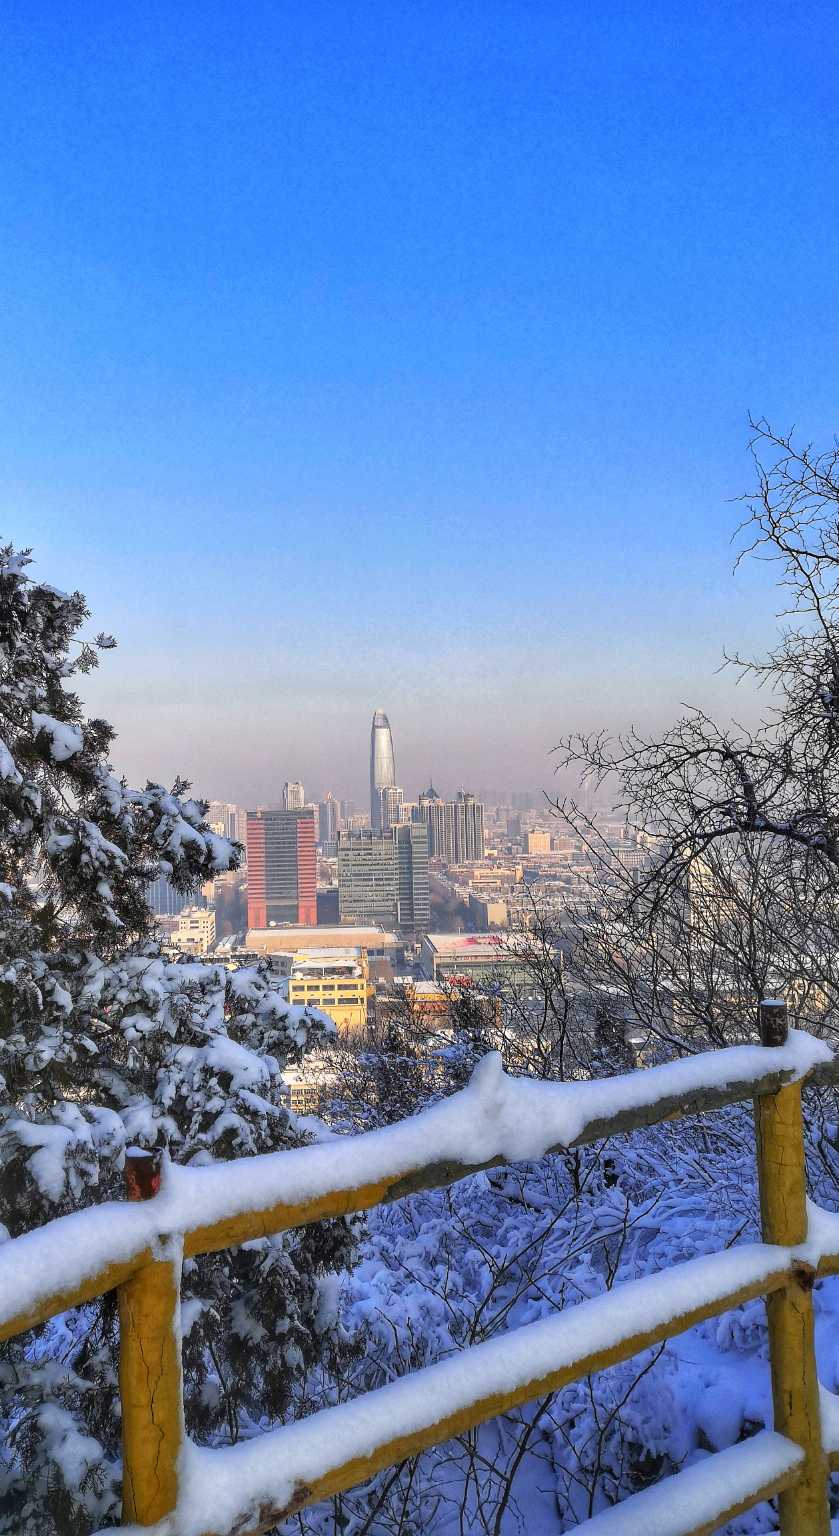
(496, 1116)
(8, 767)
(14, 564)
(220, 1487)
(70, 1250)
(65, 740)
(702, 1493)
(829, 1404)
(822, 1233)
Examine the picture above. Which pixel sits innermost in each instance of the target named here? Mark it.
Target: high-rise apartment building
(382, 765)
(282, 868)
(383, 877)
(455, 827)
(293, 796)
(328, 823)
(468, 828)
(389, 805)
(436, 814)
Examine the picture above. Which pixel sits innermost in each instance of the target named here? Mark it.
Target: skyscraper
(282, 868)
(383, 877)
(413, 893)
(293, 797)
(328, 822)
(438, 816)
(382, 765)
(455, 827)
(390, 806)
(468, 827)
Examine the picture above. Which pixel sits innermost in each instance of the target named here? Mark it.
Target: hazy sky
(399, 355)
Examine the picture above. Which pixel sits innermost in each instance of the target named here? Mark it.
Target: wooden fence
(805, 1441)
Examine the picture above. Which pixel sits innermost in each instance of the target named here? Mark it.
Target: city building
(468, 827)
(537, 841)
(383, 877)
(303, 1093)
(479, 958)
(227, 820)
(195, 933)
(382, 765)
(282, 868)
(328, 825)
(334, 980)
(293, 796)
(413, 890)
(390, 799)
(455, 827)
(276, 943)
(487, 911)
(431, 1005)
(164, 900)
(436, 814)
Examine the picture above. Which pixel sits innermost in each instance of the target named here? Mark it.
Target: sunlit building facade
(282, 868)
(383, 877)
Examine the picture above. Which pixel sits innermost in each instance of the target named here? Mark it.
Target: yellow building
(537, 842)
(195, 932)
(335, 980)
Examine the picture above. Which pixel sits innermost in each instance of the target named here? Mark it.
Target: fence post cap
(142, 1172)
(772, 1021)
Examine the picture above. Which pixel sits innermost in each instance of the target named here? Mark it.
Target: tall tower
(382, 766)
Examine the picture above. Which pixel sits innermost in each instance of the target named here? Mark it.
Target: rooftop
(476, 945)
(289, 940)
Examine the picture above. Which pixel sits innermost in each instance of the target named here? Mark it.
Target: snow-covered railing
(177, 1489)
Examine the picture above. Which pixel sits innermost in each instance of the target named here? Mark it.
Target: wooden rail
(279, 1473)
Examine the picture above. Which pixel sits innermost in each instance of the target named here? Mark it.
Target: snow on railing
(174, 1488)
(705, 1496)
(496, 1120)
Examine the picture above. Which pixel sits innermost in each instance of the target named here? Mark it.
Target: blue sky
(399, 355)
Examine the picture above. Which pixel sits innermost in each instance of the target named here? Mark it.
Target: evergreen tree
(104, 1042)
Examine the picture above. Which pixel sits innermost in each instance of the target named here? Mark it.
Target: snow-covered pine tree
(104, 1042)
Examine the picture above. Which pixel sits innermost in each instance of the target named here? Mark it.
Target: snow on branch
(65, 740)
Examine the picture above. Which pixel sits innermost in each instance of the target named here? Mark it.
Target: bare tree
(740, 896)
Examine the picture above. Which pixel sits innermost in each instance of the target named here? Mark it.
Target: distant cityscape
(344, 901)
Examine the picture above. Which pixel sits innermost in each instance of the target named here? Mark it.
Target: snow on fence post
(150, 1375)
(804, 1508)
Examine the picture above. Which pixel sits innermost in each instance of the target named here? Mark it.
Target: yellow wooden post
(804, 1508)
(150, 1376)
